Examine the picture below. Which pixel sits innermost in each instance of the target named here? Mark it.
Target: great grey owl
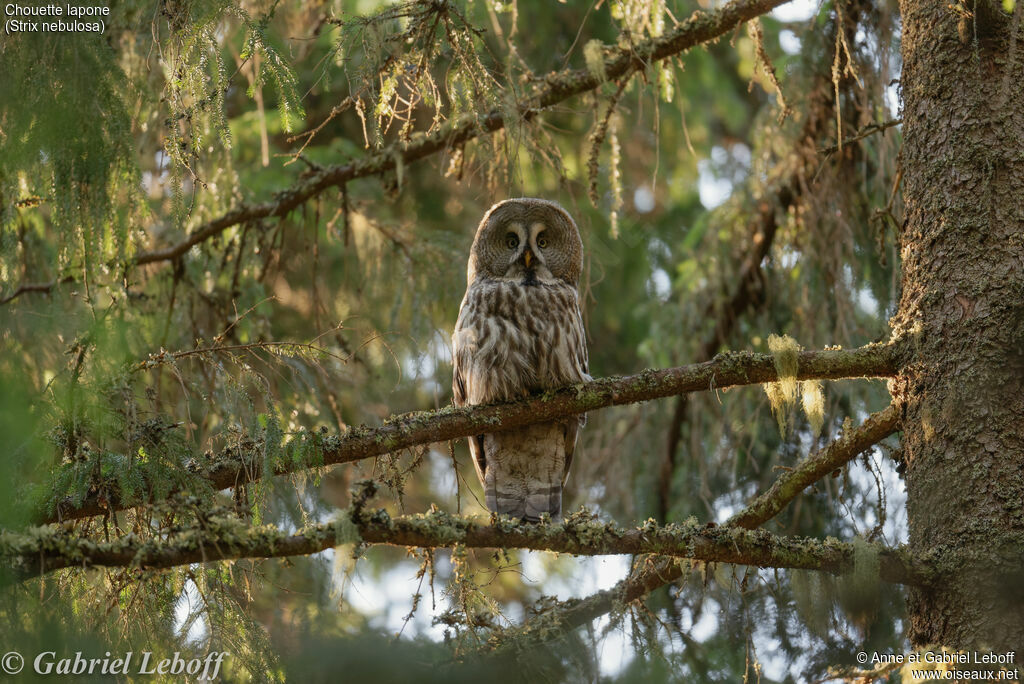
(520, 331)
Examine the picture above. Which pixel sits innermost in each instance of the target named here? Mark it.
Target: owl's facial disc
(526, 245)
(529, 241)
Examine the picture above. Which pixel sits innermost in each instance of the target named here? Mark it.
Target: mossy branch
(877, 427)
(42, 550)
(660, 571)
(239, 465)
(700, 28)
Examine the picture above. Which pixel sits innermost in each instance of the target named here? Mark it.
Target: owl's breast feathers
(513, 339)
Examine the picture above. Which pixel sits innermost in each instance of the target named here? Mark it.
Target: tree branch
(877, 427)
(701, 27)
(662, 571)
(762, 231)
(227, 537)
(239, 465)
(33, 287)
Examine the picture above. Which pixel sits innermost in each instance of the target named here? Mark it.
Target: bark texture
(962, 313)
(241, 464)
(223, 537)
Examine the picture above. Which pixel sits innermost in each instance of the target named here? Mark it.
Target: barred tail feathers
(524, 471)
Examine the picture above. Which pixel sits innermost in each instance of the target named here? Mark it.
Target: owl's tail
(524, 472)
(538, 499)
(543, 500)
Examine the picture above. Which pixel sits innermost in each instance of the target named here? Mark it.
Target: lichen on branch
(700, 28)
(42, 550)
(243, 463)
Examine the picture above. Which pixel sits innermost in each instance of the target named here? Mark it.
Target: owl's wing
(458, 381)
(461, 368)
(476, 450)
(572, 427)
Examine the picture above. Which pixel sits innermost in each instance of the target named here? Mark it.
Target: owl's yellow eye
(542, 242)
(512, 240)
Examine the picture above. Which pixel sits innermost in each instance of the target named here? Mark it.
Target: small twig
(34, 287)
(865, 132)
(877, 427)
(162, 357)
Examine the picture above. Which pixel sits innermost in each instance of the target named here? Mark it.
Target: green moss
(593, 54)
(858, 590)
(782, 394)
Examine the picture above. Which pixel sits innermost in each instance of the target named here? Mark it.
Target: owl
(520, 331)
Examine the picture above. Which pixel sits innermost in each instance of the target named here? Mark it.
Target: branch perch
(46, 549)
(238, 466)
(699, 28)
(662, 571)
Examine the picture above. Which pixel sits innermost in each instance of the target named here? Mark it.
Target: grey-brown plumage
(520, 331)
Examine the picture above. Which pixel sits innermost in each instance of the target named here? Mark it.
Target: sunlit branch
(226, 538)
(877, 427)
(660, 571)
(699, 28)
(243, 464)
(762, 229)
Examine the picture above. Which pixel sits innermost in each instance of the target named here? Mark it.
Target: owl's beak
(527, 257)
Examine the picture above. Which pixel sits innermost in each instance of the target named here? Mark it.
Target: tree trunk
(962, 312)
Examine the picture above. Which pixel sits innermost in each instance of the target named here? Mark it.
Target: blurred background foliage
(715, 208)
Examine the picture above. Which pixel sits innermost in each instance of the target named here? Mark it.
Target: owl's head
(529, 240)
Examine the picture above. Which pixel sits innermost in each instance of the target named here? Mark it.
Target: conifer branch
(239, 465)
(227, 537)
(700, 28)
(661, 571)
(877, 427)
